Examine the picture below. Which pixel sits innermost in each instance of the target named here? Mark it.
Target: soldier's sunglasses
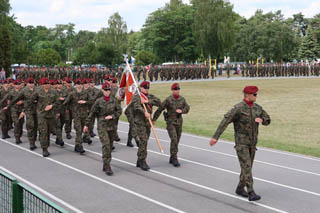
(106, 89)
(146, 87)
(176, 88)
(255, 94)
(30, 82)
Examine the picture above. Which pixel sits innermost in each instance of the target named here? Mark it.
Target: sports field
(293, 105)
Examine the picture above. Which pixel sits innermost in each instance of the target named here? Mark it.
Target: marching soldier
(107, 110)
(5, 114)
(141, 121)
(175, 105)
(246, 117)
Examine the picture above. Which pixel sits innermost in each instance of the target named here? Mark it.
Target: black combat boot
(32, 146)
(45, 152)
(253, 196)
(138, 163)
(113, 147)
(69, 136)
(117, 138)
(8, 136)
(174, 161)
(108, 170)
(92, 134)
(60, 142)
(144, 166)
(79, 148)
(18, 141)
(129, 143)
(241, 191)
(86, 140)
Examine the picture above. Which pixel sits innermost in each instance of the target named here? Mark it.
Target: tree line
(176, 32)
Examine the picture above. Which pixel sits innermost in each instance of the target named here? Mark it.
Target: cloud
(93, 14)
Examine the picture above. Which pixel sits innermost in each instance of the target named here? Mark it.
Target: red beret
(114, 80)
(250, 89)
(91, 80)
(10, 80)
(52, 82)
(68, 80)
(16, 82)
(106, 85)
(174, 86)
(58, 81)
(30, 80)
(6, 81)
(78, 81)
(44, 81)
(145, 83)
(85, 81)
(107, 77)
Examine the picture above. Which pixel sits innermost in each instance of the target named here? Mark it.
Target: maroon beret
(175, 85)
(44, 81)
(30, 80)
(250, 89)
(145, 83)
(85, 81)
(58, 81)
(107, 78)
(52, 82)
(91, 80)
(68, 80)
(114, 80)
(106, 85)
(78, 81)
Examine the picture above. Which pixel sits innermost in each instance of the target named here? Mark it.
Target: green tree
(309, 47)
(145, 57)
(5, 49)
(117, 31)
(48, 57)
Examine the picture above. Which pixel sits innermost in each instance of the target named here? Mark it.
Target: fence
(16, 197)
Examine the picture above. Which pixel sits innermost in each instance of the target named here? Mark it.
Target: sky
(92, 15)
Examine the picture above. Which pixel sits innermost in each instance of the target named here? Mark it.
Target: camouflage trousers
(79, 123)
(246, 155)
(91, 125)
(5, 121)
(59, 125)
(18, 123)
(144, 134)
(174, 132)
(32, 126)
(106, 139)
(45, 126)
(132, 133)
(68, 122)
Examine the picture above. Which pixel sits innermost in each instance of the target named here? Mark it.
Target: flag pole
(145, 108)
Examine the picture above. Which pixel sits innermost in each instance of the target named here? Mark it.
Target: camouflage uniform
(106, 128)
(246, 136)
(142, 123)
(4, 114)
(174, 121)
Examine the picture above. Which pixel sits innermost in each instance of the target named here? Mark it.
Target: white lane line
(191, 183)
(229, 171)
(42, 190)
(232, 143)
(100, 179)
(235, 173)
(234, 156)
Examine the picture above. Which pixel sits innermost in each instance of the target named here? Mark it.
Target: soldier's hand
(61, 99)
(179, 111)
(258, 120)
(4, 108)
(48, 107)
(144, 101)
(21, 115)
(82, 102)
(109, 117)
(213, 141)
(147, 114)
(85, 129)
(19, 103)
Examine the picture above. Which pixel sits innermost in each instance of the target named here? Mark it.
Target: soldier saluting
(246, 117)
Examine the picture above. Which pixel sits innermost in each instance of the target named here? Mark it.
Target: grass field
(293, 105)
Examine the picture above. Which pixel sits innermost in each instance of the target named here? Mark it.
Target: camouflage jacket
(245, 127)
(78, 110)
(100, 109)
(43, 99)
(172, 104)
(139, 117)
(25, 95)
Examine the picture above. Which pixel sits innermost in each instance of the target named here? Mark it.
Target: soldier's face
(175, 92)
(252, 97)
(106, 93)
